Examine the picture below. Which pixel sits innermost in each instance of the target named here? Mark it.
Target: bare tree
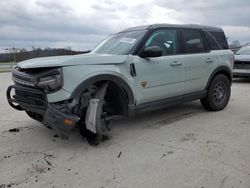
(23, 50)
(235, 44)
(36, 51)
(14, 51)
(47, 48)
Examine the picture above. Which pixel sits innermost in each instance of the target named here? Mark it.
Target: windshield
(120, 43)
(245, 50)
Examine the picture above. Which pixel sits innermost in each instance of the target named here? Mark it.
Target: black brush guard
(35, 101)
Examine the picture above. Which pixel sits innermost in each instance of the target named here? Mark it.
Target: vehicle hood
(242, 58)
(81, 59)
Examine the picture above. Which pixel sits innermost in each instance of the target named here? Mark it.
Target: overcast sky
(81, 24)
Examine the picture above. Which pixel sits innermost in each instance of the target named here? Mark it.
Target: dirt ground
(182, 146)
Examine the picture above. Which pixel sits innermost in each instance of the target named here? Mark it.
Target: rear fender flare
(220, 70)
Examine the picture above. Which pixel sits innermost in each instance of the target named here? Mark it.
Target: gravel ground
(182, 146)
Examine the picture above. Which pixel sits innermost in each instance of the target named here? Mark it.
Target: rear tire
(218, 94)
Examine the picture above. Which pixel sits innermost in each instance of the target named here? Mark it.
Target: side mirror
(153, 51)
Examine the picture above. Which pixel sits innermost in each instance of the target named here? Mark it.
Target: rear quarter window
(220, 38)
(213, 44)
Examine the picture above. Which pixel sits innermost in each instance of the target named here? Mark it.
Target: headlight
(51, 82)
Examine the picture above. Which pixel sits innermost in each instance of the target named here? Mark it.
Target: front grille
(241, 65)
(22, 81)
(22, 78)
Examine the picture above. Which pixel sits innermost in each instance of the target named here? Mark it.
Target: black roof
(190, 26)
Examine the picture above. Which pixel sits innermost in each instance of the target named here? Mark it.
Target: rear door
(198, 60)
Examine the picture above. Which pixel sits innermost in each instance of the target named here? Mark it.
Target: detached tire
(218, 94)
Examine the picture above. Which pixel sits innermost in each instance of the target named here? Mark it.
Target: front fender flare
(104, 77)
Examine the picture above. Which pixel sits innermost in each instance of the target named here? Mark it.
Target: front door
(160, 77)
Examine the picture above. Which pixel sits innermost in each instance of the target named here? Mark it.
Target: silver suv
(136, 70)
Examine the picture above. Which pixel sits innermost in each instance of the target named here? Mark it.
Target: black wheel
(218, 94)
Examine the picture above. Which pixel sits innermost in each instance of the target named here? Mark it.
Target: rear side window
(211, 41)
(193, 41)
(220, 38)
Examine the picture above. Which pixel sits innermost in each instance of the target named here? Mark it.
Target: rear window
(193, 41)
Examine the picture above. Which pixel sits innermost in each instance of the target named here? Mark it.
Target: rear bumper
(241, 73)
(34, 100)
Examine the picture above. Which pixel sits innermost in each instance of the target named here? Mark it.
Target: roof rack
(164, 25)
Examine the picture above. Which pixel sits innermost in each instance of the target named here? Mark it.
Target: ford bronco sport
(136, 70)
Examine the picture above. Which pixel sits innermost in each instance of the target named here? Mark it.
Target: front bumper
(34, 101)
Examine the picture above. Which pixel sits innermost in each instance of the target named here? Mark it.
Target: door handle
(208, 60)
(175, 63)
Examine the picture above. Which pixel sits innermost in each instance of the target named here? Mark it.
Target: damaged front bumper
(34, 102)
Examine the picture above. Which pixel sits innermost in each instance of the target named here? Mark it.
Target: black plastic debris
(119, 155)
(14, 130)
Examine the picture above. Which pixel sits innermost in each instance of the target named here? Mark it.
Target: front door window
(165, 39)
